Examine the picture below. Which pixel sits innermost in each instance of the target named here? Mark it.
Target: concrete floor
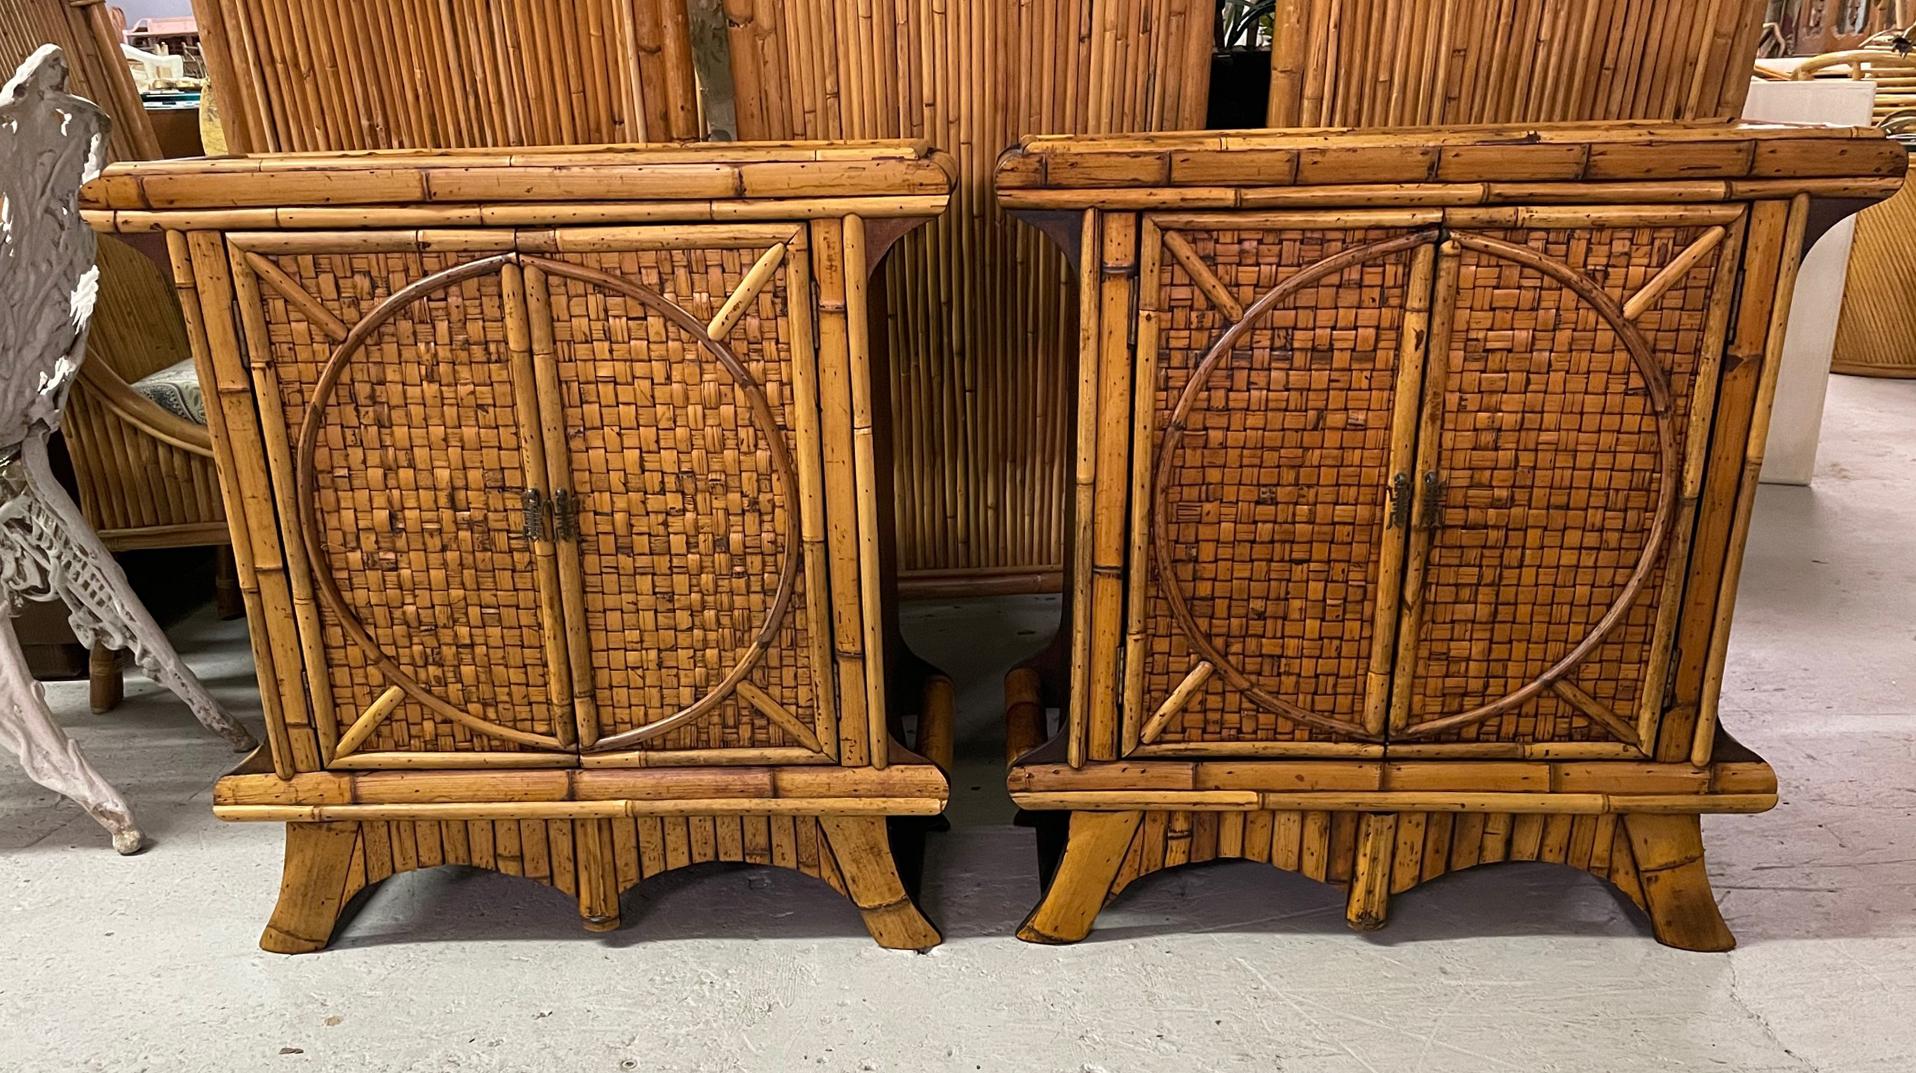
(149, 963)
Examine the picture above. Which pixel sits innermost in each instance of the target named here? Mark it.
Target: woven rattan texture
(1549, 448)
(1323, 845)
(418, 491)
(1276, 507)
(685, 522)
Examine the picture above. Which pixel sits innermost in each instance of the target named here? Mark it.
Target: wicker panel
(1390, 63)
(1550, 449)
(977, 310)
(687, 519)
(1877, 333)
(1274, 502)
(418, 492)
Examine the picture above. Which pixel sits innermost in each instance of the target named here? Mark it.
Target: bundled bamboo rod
(1394, 63)
(978, 314)
(301, 75)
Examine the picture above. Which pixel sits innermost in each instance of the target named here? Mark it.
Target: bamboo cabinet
(557, 480)
(1412, 476)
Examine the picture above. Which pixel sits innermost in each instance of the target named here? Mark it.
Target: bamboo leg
(936, 713)
(1676, 886)
(598, 876)
(313, 888)
(1024, 712)
(1369, 902)
(226, 589)
(862, 850)
(1096, 848)
(106, 682)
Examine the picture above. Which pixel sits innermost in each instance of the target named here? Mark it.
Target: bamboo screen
(304, 75)
(980, 313)
(1384, 63)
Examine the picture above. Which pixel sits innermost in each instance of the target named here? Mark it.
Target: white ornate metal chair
(50, 144)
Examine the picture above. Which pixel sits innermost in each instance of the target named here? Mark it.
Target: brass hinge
(1434, 488)
(565, 516)
(533, 504)
(1400, 501)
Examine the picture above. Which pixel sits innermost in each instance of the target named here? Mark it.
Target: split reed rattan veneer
(1413, 472)
(558, 483)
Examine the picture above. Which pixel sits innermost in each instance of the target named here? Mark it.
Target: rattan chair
(144, 476)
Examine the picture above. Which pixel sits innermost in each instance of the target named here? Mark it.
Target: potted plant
(1241, 64)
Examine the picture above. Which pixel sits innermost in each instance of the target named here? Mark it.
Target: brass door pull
(1434, 489)
(533, 504)
(1400, 501)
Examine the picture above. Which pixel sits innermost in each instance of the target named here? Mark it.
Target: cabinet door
(1557, 466)
(678, 365)
(1276, 397)
(397, 407)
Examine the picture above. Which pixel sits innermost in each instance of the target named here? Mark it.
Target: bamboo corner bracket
(1413, 476)
(557, 481)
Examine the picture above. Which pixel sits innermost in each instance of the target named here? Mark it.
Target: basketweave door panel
(1557, 475)
(681, 363)
(406, 448)
(1276, 401)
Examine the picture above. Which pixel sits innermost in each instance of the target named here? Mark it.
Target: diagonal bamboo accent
(1684, 263)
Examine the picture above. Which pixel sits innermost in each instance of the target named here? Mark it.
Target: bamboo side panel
(1398, 63)
(1269, 505)
(688, 522)
(1876, 335)
(1324, 846)
(307, 75)
(1556, 472)
(975, 312)
(583, 857)
(419, 482)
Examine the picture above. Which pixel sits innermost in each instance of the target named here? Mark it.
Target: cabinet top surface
(911, 173)
(1687, 162)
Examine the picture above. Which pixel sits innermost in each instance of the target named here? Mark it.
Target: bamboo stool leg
(862, 849)
(1369, 903)
(106, 681)
(227, 601)
(313, 889)
(1024, 712)
(936, 714)
(1676, 885)
(1098, 843)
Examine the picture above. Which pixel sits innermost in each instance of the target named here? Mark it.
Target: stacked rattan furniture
(1413, 475)
(557, 484)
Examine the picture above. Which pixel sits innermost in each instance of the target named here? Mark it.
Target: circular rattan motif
(1162, 545)
(327, 586)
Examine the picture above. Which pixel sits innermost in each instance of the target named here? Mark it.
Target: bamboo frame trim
(376, 712)
(1176, 702)
(576, 810)
(1579, 804)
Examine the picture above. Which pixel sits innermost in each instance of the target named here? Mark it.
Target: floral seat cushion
(176, 389)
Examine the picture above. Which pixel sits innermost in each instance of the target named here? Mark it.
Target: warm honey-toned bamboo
(978, 319)
(1378, 620)
(628, 579)
(1395, 63)
(302, 75)
(1876, 334)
